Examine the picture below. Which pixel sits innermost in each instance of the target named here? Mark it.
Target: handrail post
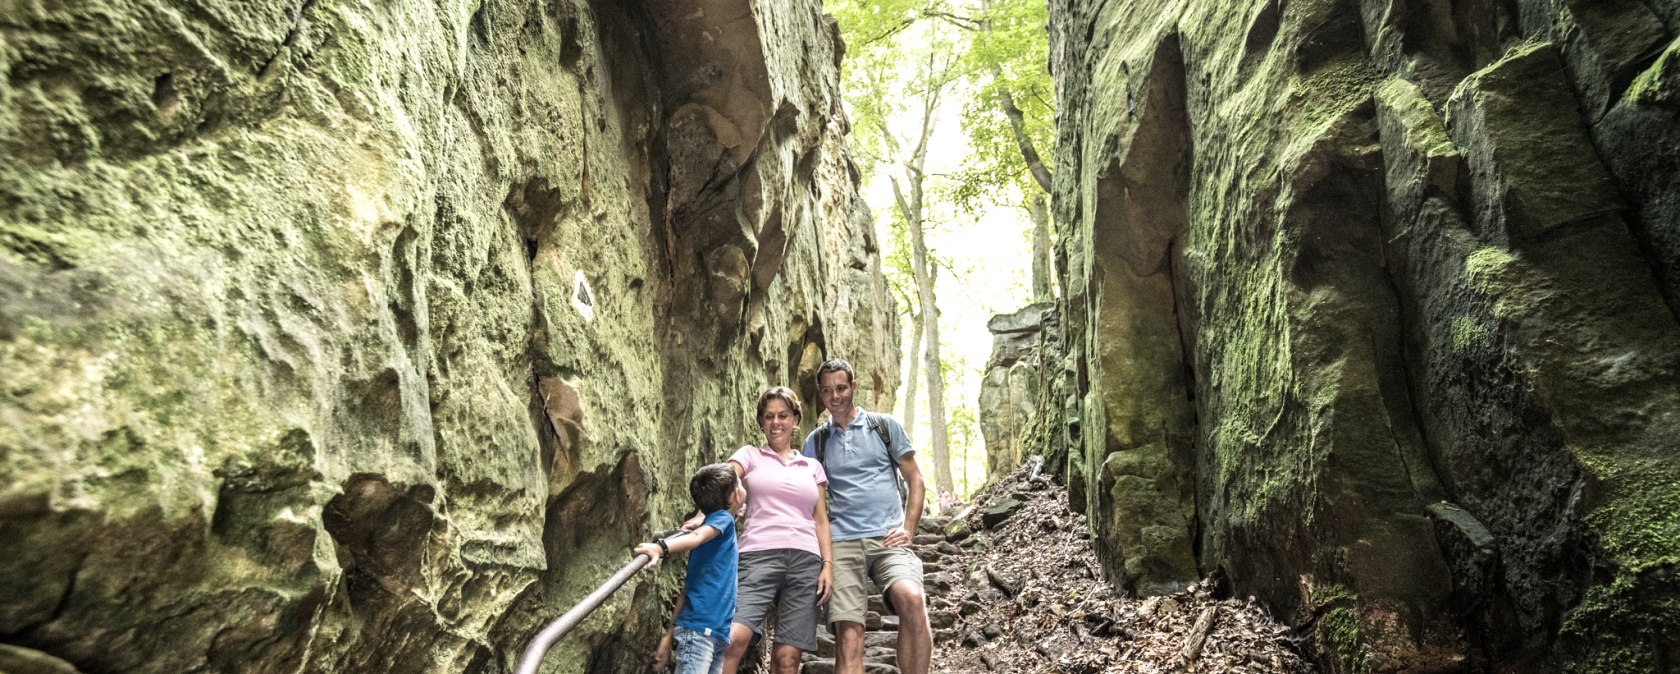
(545, 639)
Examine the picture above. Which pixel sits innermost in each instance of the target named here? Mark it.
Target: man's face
(836, 390)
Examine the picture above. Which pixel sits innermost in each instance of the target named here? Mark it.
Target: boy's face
(738, 500)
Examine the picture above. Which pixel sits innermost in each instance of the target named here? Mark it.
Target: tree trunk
(935, 374)
(911, 207)
(1041, 265)
(915, 365)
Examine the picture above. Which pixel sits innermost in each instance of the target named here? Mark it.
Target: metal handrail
(545, 639)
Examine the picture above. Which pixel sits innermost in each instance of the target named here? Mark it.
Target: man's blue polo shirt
(862, 479)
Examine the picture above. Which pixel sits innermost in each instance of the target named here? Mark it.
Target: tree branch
(1018, 124)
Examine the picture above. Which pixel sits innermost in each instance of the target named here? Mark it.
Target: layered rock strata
(1009, 392)
(351, 337)
(1370, 308)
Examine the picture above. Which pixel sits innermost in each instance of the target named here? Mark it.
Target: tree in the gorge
(1009, 122)
(900, 69)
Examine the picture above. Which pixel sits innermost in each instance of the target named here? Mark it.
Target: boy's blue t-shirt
(709, 589)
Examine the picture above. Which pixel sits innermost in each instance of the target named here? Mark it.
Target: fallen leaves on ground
(1030, 597)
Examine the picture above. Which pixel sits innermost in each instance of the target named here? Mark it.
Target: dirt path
(1025, 594)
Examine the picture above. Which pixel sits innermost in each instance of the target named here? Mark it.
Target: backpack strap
(873, 421)
(822, 444)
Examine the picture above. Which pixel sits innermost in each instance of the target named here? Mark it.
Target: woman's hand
(825, 582)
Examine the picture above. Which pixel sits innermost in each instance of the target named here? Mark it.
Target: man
(870, 523)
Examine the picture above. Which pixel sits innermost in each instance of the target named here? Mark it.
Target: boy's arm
(682, 542)
(662, 654)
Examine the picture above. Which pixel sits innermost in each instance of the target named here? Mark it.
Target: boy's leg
(719, 652)
(695, 651)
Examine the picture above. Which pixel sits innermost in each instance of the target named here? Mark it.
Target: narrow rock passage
(1014, 586)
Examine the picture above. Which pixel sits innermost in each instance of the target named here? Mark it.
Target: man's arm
(913, 509)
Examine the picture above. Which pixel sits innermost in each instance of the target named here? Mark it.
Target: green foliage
(993, 46)
(1010, 56)
(967, 451)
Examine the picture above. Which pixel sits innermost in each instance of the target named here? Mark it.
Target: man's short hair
(782, 393)
(712, 486)
(836, 365)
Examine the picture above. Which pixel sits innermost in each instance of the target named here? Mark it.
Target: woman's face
(778, 423)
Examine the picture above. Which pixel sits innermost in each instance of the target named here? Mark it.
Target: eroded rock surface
(364, 337)
(1371, 307)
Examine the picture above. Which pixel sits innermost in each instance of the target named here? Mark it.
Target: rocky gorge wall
(1370, 308)
(365, 337)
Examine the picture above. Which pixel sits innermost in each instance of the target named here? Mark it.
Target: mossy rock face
(1375, 289)
(349, 337)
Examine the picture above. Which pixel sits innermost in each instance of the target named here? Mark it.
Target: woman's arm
(825, 579)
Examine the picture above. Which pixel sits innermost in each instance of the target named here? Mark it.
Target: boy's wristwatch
(664, 549)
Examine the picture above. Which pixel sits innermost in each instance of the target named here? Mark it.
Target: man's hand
(694, 522)
(896, 537)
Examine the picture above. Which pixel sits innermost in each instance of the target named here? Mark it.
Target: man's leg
(915, 635)
(846, 610)
(848, 647)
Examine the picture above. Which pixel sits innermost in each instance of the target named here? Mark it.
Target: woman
(785, 556)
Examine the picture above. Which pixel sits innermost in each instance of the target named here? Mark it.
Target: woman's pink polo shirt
(781, 497)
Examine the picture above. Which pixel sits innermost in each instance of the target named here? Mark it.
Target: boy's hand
(662, 655)
(649, 549)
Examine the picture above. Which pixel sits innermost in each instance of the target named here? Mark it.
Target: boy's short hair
(712, 486)
(836, 365)
(782, 393)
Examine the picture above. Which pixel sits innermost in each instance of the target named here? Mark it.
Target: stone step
(826, 666)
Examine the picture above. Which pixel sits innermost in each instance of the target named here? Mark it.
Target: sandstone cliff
(1370, 307)
(364, 337)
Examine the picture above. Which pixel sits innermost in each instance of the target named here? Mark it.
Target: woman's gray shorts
(788, 579)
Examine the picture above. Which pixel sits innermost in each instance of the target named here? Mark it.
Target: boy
(704, 611)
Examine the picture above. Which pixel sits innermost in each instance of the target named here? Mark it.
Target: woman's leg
(785, 659)
(796, 622)
(740, 637)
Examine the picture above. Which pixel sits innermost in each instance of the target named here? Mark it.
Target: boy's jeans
(697, 653)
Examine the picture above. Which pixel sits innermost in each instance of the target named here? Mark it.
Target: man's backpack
(872, 422)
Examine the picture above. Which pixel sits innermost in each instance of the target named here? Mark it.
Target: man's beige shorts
(860, 563)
